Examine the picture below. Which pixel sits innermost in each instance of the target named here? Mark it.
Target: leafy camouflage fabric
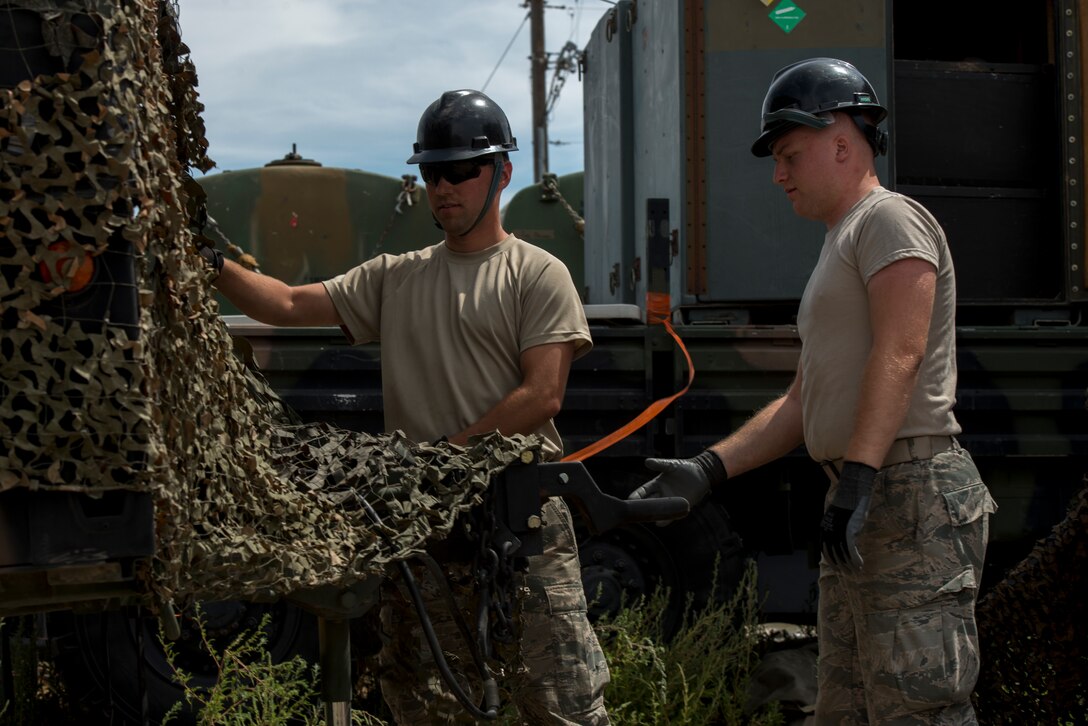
(125, 377)
(1034, 634)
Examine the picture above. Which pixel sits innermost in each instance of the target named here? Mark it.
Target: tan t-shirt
(833, 321)
(452, 327)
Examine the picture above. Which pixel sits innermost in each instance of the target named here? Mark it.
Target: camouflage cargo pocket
(969, 503)
(969, 509)
(926, 534)
(934, 657)
(566, 668)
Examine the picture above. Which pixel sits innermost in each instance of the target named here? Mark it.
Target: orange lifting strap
(658, 310)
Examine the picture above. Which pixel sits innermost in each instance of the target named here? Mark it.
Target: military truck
(986, 129)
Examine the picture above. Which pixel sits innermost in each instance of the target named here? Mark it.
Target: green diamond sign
(786, 15)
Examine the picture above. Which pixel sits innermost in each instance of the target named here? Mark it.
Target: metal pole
(539, 69)
(335, 642)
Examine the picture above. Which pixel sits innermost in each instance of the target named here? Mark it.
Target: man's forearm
(901, 303)
(774, 431)
(522, 411)
(272, 301)
(886, 389)
(254, 294)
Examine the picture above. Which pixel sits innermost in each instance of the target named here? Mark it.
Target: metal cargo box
(609, 145)
(978, 144)
(757, 249)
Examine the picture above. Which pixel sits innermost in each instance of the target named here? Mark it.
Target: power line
(508, 46)
(575, 18)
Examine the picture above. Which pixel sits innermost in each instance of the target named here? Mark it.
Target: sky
(346, 80)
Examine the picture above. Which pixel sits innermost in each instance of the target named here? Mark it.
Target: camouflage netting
(131, 382)
(1034, 632)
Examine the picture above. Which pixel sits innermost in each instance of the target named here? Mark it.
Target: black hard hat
(461, 125)
(802, 90)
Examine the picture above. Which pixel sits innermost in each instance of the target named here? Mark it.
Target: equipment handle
(656, 509)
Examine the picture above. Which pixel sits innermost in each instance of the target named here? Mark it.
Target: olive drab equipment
(804, 93)
(461, 125)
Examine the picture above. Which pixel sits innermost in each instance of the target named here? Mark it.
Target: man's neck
(866, 184)
(477, 240)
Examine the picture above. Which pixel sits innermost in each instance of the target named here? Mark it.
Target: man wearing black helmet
(477, 334)
(905, 524)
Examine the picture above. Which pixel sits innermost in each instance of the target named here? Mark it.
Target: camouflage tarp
(131, 382)
(1034, 634)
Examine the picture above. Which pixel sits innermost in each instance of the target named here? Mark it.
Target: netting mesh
(1034, 634)
(115, 370)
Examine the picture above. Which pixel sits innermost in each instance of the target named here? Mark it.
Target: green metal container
(551, 217)
(304, 222)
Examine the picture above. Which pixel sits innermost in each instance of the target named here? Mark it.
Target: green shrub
(251, 690)
(700, 676)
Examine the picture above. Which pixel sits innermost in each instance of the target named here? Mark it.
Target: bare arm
(539, 397)
(774, 431)
(273, 301)
(900, 307)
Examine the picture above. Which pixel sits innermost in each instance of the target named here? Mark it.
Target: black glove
(845, 517)
(214, 258)
(687, 478)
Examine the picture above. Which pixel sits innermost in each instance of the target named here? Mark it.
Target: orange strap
(658, 310)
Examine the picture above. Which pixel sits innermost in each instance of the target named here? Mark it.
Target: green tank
(304, 222)
(549, 214)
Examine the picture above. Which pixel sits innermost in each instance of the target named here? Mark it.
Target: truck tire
(101, 661)
(631, 561)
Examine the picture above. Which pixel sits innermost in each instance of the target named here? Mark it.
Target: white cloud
(346, 80)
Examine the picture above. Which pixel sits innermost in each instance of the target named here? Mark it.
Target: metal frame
(1070, 32)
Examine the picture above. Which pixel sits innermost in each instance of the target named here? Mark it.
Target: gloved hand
(687, 478)
(845, 517)
(213, 257)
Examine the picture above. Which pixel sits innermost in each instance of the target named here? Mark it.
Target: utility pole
(539, 60)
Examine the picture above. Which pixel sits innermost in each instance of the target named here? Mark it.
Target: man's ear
(507, 174)
(842, 147)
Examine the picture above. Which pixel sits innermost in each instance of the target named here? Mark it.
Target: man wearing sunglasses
(477, 334)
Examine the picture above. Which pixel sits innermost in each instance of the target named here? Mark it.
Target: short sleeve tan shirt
(452, 327)
(836, 336)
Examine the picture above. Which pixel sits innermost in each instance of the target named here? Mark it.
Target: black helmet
(461, 125)
(802, 90)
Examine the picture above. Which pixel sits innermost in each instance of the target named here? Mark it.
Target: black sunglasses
(455, 172)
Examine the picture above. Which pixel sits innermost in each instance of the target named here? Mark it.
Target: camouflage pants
(898, 641)
(555, 674)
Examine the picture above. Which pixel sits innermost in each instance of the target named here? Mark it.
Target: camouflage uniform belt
(901, 450)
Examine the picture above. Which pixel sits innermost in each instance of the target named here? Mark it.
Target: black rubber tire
(98, 655)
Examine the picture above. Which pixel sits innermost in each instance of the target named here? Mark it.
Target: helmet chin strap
(487, 203)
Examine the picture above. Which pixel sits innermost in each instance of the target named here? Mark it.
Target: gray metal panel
(758, 250)
(608, 129)
(659, 123)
